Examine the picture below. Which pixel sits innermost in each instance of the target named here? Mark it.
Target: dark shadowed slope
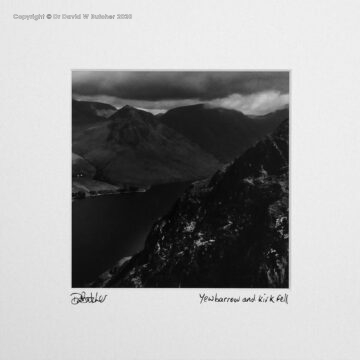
(229, 231)
(221, 132)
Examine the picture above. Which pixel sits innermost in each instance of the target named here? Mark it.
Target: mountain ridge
(224, 133)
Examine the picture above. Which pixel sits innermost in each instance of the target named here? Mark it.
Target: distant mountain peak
(134, 117)
(128, 108)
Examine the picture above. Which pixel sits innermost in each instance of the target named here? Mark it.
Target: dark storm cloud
(173, 85)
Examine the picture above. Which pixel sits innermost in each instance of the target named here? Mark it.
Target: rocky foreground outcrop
(228, 231)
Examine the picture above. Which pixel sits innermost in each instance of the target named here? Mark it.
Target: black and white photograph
(180, 179)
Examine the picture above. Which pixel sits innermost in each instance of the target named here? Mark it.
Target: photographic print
(180, 179)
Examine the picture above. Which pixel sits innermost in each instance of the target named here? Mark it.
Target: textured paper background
(318, 41)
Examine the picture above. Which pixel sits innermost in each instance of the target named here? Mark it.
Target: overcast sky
(157, 91)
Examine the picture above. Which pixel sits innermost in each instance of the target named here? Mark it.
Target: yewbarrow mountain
(230, 230)
(133, 147)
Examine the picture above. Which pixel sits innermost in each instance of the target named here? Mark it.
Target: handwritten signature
(82, 298)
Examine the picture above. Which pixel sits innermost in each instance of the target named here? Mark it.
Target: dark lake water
(109, 227)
